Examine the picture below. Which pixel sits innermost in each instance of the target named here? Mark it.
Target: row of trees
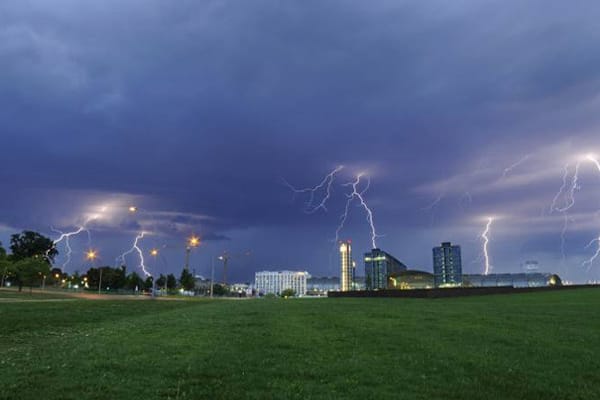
(30, 264)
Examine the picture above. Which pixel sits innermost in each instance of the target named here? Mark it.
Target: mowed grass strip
(528, 346)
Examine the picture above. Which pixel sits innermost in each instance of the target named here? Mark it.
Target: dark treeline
(29, 263)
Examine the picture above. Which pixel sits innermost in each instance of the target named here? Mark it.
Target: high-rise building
(379, 268)
(346, 266)
(278, 281)
(447, 265)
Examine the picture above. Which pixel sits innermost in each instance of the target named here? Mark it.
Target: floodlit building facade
(278, 281)
(518, 280)
(347, 266)
(447, 265)
(379, 268)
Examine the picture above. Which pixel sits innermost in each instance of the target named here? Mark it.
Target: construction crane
(225, 257)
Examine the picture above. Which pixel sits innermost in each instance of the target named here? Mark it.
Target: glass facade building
(379, 268)
(447, 265)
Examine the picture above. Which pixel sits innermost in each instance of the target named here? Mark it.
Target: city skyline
(460, 117)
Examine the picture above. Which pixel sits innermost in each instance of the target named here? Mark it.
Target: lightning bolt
(569, 201)
(515, 165)
(593, 159)
(136, 248)
(435, 202)
(562, 188)
(356, 194)
(326, 184)
(466, 197)
(66, 236)
(486, 241)
(568, 193)
(590, 261)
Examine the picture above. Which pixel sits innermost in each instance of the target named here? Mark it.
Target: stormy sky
(198, 112)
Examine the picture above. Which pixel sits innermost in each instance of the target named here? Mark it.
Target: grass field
(528, 346)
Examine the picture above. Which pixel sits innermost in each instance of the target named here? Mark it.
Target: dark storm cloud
(202, 107)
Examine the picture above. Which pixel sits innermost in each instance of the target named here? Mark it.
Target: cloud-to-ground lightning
(325, 184)
(589, 262)
(356, 194)
(135, 247)
(568, 193)
(66, 236)
(486, 241)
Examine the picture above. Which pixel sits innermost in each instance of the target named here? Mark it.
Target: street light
(193, 241)
(91, 256)
(154, 253)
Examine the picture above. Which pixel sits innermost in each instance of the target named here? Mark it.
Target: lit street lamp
(154, 254)
(91, 256)
(193, 241)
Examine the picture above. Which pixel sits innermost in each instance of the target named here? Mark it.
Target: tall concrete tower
(346, 266)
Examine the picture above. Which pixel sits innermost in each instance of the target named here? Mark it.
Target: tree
(171, 281)
(148, 283)
(187, 280)
(113, 278)
(160, 282)
(7, 269)
(5, 264)
(30, 244)
(134, 281)
(55, 277)
(288, 293)
(75, 279)
(30, 271)
(220, 290)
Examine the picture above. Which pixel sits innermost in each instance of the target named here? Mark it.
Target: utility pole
(100, 282)
(188, 249)
(212, 275)
(225, 258)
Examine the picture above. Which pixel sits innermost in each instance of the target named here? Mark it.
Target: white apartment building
(277, 281)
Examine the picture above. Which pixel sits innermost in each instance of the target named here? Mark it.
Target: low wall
(452, 292)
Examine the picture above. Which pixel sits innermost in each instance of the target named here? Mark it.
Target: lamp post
(154, 254)
(91, 256)
(193, 241)
(212, 275)
(225, 257)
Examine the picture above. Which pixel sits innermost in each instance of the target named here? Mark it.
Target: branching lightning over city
(325, 185)
(135, 248)
(486, 241)
(358, 194)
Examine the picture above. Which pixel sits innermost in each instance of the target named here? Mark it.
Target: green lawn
(528, 346)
